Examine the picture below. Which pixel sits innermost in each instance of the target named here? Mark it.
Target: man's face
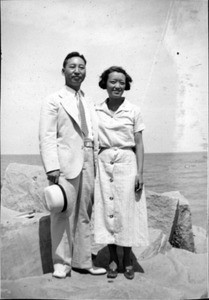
(74, 72)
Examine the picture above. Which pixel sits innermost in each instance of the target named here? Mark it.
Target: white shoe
(96, 271)
(61, 271)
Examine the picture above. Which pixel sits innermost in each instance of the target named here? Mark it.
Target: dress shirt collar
(74, 92)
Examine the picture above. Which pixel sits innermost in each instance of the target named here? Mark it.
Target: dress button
(111, 179)
(111, 198)
(111, 216)
(112, 162)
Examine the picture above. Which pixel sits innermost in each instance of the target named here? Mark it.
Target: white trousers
(70, 230)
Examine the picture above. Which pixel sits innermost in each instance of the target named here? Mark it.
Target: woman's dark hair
(105, 74)
(73, 54)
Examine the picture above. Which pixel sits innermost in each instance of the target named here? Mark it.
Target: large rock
(170, 212)
(200, 239)
(162, 272)
(158, 244)
(23, 186)
(26, 245)
(181, 234)
(161, 211)
(161, 277)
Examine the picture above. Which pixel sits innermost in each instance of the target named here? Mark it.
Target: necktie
(84, 126)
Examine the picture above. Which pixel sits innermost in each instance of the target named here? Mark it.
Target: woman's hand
(139, 184)
(140, 163)
(53, 176)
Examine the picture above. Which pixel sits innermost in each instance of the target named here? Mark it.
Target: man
(68, 146)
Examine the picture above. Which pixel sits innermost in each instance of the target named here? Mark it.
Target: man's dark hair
(73, 54)
(105, 74)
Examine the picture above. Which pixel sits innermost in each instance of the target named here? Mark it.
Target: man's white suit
(62, 147)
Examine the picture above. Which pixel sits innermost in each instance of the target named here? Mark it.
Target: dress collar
(125, 106)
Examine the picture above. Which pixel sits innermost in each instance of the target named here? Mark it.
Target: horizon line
(175, 152)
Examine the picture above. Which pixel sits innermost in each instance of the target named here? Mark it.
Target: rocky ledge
(173, 266)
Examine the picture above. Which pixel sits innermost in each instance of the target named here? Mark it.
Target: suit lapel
(69, 104)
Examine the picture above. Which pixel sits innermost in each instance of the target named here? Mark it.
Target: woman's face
(116, 83)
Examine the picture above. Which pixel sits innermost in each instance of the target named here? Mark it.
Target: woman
(120, 204)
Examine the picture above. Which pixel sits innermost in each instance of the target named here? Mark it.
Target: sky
(162, 44)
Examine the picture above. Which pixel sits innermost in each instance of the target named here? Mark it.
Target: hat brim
(56, 199)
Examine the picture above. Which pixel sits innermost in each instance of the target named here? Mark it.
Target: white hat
(56, 199)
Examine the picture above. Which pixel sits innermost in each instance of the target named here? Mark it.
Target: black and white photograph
(104, 149)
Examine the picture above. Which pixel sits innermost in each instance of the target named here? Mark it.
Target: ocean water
(163, 172)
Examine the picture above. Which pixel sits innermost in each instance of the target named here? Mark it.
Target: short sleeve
(138, 121)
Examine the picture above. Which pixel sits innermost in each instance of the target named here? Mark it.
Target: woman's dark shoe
(129, 272)
(112, 271)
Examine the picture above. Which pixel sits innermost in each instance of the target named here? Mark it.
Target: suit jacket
(60, 135)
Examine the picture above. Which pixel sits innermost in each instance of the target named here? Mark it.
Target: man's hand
(53, 176)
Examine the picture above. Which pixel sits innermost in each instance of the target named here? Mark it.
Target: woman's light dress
(120, 217)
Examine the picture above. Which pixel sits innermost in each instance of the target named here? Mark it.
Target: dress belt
(116, 148)
(88, 143)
